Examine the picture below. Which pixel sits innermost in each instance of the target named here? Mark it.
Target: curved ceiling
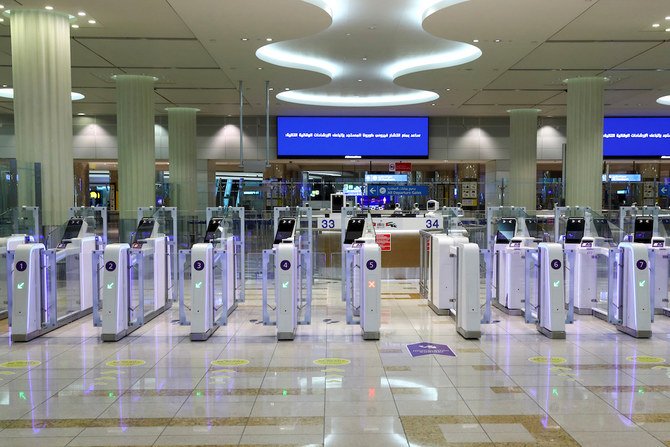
(364, 51)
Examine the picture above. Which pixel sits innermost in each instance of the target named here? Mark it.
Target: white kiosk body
(286, 279)
(119, 316)
(468, 318)
(551, 284)
(205, 257)
(35, 303)
(635, 300)
(362, 277)
(7, 247)
(443, 273)
(513, 275)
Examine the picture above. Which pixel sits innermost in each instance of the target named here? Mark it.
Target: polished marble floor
(511, 388)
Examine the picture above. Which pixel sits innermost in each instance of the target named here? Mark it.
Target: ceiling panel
(582, 55)
(193, 96)
(122, 18)
(84, 57)
(617, 19)
(510, 97)
(657, 57)
(189, 78)
(536, 79)
(151, 53)
(93, 77)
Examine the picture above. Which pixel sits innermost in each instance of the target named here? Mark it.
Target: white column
(41, 74)
(584, 151)
(183, 157)
(137, 146)
(522, 186)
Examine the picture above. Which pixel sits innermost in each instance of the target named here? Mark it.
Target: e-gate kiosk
(25, 229)
(216, 283)
(449, 279)
(52, 287)
(292, 271)
(134, 281)
(362, 278)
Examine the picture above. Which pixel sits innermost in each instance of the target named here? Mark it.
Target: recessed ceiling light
(475, 40)
(667, 17)
(92, 22)
(348, 34)
(268, 39)
(2, 20)
(372, 27)
(244, 39)
(287, 88)
(365, 58)
(656, 25)
(360, 80)
(432, 104)
(664, 100)
(270, 89)
(49, 8)
(667, 30)
(498, 41)
(448, 89)
(81, 114)
(75, 26)
(260, 68)
(81, 13)
(2, 6)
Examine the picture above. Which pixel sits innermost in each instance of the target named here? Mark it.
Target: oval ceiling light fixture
(664, 100)
(8, 93)
(420, 51)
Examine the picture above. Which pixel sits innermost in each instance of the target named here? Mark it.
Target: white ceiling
(194, 47)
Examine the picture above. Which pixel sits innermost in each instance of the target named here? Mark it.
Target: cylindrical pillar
(136, 139)
(521, 190)
(584, 151)
(183, 158)
(43, 109)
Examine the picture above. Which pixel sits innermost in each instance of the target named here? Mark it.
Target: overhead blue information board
(664, 190)
(397, 190)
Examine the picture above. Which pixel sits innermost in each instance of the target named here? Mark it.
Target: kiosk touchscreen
(665, 223)
(574, 230)
(74, 228)
(213, 231)
(506, 230)
(355, 228)
(531, 227)
(285, 229)
(643, 231)
(145, 229)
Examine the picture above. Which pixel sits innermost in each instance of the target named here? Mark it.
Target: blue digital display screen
(354, 137)
(636, 137)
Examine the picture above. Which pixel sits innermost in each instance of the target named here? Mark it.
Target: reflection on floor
(513, 387)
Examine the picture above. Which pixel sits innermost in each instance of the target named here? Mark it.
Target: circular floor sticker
(645, 359)
(331, 361)
(548, 360)
(230, 362)
(20, 364)
(125, 363)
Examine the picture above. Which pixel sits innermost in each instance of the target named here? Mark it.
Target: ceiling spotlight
(360, 80)
(244, 39)
(448, 89)
(49, 8)
(667, 30)
(2, 6)
(2, 20)
(667, 17)
(287, 89)
(372, 28)
(475, 40)
(92, 22)
(268, 39)
(260, 68)
(270, 89)
(656, 25)
(498, 41)
(364, 59)
(81, 114)
(75, 26)
(81, 13)
(432, 104)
